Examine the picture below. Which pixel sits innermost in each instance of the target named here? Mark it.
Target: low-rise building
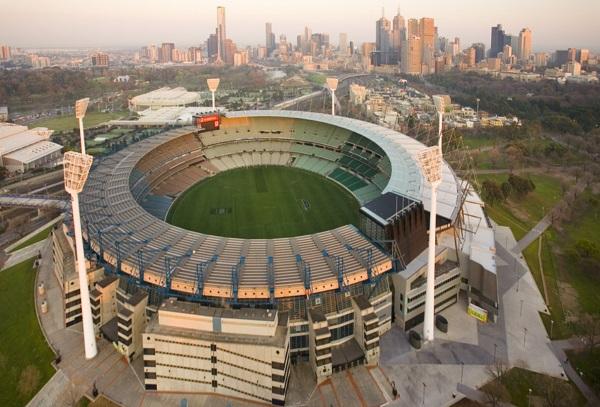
(23, 149)
(240, 353)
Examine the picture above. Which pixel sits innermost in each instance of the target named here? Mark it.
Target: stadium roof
(171, 115)
(406, 178)
(166, 97)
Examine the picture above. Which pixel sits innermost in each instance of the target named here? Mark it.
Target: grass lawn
(34, 239)
(24, 355)
(589, 365)
(518, 381)
(62, 123)
(522, 214)
(264, 203)
(474, 142)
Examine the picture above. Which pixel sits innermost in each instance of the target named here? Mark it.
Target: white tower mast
(76, 170)
(332, 84)
(213, 84)
(80, 108)
(430, 160)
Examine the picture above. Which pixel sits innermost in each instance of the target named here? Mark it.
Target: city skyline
(97, 25)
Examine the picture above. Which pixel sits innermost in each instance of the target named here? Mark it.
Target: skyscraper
(221, 35)
(479, 51)
(524, 50)
(166, 52)
(497, 41)
(270, 38)
(343, 44)
(412, 55)
(398, 35)
(427, 34)
(383, 30)
(412, 28)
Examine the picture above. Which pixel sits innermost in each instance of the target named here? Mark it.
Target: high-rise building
(306, 41)
(383, 30)
(524, 49)
(367, 55)
(427, 34)
(571, 54)
(412, 55)
(270, 38)
(221, 35)
(212, 46)
(541, 59)
(153, 53)
(343, 44)
(479, 52)
(5, 52)
(412, 27)
(497, 41)
(583, 55)
(398, 34)
(470, 57)
(100, 60)
(166, 52)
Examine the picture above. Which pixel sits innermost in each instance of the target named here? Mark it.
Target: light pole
(430, 161)
(80, 108)
(478, 107)
(424, 387)
(440, 107)
(495, 347)
(332, 84)
(76, 170)
(462, 371)
(213, 84)
(551, 327)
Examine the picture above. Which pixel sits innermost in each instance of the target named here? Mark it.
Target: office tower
(100, 60)
(270, 38)
(571, 54)
(507, 53)
(398, 35)
(166, 52)
(427, 35)
(412, 28)
(383, 30)
(367, 51)
(541, 59)
(212, 46)
(561, 57)
(479, 51)
(497, 41)
(221, 35)
(306, 40)
(470, 57)
(229, 49)
(154, 53)
(412, 55)
(351, 47)
(583, 55)
(343, 45)
(4, 52)
(524, 49)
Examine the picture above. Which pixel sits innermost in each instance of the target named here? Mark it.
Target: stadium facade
(229, 315)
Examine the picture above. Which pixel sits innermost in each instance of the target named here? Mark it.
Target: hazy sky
(106, 23)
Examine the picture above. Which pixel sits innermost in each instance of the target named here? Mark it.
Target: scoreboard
(210, 121)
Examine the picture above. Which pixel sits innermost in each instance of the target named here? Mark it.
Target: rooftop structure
(22, 149)
(164, 97)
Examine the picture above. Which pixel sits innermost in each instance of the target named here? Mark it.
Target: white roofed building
(23, 149)
(164, 97)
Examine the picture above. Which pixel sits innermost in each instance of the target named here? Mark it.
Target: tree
(496, 391)
(556, 393)
(521, 186)
(3, 173)
(506, 189)
(588, 329)
(491, 191)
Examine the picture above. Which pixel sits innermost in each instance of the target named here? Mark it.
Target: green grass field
(264, 203)
(91, 119)
(24, 355)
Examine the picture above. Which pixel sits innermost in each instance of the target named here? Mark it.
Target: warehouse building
(23, 149)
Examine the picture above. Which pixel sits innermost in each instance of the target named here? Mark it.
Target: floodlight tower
(76, 170)
(440, 107)
(80, 108)
(332, 84)
(213, 84)
(430, 161)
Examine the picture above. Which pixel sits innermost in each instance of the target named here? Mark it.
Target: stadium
(323, 245)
